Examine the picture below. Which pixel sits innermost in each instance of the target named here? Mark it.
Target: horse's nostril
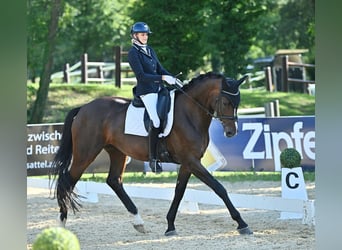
(229, 134)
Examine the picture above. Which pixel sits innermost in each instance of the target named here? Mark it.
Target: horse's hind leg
(64, 190)
(67, 180)
(115, 180)
(66, 197)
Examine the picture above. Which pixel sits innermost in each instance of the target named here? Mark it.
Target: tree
(93, 27)
(230, 29)
(177, 28)
(85, 26)
(287, 25)
(37, 27)
(297, 25)
(189, 33)
(40, 103)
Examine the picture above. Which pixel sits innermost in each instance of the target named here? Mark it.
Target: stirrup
(155, 166)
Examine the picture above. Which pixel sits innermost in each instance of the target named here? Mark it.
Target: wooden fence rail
(84, 69)
(270, 78)
(285, 73)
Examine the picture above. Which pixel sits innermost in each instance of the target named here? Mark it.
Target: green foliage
(38, 15)
(56, 238)
(177, 28)
(290, 158)
(86, 26)
(189, 36)
(288, 24)
(229, 32)
(92, 27)
(298, 23)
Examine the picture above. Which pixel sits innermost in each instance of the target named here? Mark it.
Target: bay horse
(100, 123)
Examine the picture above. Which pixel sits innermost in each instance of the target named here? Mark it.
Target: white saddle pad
(134, 122)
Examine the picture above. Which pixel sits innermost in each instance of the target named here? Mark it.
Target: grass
(290, 104)
(171, 177)
(64, 97)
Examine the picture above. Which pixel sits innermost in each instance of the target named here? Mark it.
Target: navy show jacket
(147, 69)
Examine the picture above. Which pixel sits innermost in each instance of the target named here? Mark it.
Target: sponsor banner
(259, 142)
(257, 146)
(43, 143)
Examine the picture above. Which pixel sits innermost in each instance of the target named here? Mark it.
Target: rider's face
(142, 37)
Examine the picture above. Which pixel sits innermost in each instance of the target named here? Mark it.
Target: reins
(215, 114)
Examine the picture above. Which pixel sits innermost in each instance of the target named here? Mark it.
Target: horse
(100, 123)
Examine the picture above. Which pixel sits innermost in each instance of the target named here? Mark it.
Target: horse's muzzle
(230, 131)
(229, 134)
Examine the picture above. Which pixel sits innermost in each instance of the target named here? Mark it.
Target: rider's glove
(169, 79)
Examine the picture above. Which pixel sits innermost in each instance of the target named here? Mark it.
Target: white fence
(192, 197)
(101, 72)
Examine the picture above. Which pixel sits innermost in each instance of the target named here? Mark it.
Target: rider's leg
(150, 102)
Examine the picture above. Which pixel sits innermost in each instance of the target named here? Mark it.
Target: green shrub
(56, 238)
(290, 158)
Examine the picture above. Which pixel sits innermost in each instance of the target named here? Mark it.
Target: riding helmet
(140, 27)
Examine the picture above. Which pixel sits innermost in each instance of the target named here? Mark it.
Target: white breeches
(150, 102)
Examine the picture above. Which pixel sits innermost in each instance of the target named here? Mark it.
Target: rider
(150, 75)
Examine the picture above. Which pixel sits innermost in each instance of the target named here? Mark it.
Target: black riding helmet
(140, 27)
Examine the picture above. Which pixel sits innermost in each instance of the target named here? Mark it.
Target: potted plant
(290, 158)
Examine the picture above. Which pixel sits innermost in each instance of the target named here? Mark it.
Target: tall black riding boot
(153, 140)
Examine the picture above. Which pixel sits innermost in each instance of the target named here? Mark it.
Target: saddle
(163, 107)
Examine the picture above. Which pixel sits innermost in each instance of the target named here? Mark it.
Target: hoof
(171, 233)
(60, 223)
(140, 228)
(245, 231)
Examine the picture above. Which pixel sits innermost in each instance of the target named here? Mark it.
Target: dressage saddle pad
(134, 122)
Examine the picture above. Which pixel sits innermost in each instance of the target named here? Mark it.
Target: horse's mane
(199, 78)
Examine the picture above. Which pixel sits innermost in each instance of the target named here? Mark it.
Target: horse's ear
(232, 83)
(241, 80)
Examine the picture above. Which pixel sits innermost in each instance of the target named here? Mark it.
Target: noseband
(229, 95)
(218, 112)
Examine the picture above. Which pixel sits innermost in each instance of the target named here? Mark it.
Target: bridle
(217, 112)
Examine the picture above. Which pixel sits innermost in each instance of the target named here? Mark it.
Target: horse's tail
(59, 167)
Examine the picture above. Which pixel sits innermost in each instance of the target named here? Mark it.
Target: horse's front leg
(201, 173)
(182, 181)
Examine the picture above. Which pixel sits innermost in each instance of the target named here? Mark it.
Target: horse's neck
(205, 93)
(203, 96)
